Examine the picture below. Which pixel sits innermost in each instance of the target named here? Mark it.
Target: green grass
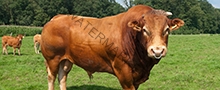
(192, 63)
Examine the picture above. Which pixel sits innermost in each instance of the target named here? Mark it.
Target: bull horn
(168, 13)
(174, 26)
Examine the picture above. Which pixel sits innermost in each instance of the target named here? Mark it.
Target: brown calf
(37, 39)
(14, 42)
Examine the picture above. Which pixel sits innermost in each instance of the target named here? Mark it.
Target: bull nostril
(157, 52)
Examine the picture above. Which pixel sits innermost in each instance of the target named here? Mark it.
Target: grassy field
(192, 63)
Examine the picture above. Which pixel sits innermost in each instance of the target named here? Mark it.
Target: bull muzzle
(157, 52)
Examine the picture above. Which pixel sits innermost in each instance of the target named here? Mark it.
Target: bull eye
(166, 32)
(146, 32)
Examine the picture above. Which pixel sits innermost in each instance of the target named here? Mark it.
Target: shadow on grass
(16, 54)
(90, 87)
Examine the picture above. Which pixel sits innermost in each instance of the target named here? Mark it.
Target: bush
(15, 30)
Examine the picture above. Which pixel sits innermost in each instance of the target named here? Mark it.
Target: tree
(97, 8)
(199, 15)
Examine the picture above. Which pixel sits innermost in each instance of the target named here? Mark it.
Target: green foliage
(38, 12)
(192, 63)
(15, 30)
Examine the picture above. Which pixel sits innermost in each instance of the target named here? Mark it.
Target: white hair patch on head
(145, 33)
(166, 27)
(144, 28)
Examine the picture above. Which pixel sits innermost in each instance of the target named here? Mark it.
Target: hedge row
(15, 30)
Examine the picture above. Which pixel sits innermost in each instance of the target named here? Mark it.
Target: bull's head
(155, 28)
(20, 37)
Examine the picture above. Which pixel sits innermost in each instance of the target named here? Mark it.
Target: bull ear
(134, 25)
(24, 35)
(176, 24)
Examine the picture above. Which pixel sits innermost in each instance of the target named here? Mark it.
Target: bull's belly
(91, 61)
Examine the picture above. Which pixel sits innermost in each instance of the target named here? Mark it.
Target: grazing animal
(14, 42)
(126, 45)
(37, 39)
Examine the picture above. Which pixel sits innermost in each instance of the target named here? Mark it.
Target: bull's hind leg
(38, 48)
(64, 68)
(35, 47)
(52, 70)
(4, 51)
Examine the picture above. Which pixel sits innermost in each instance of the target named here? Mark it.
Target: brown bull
(37, 39)
(126, 45)
(14, 42)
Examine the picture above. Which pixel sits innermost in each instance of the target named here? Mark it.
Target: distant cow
(126, 45)
(14, 42)
(37, 39)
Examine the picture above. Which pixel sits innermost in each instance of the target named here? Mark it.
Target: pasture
(192, 63)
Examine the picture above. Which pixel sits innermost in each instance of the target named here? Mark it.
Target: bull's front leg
(14, 51)
(19, 51)
(124, 74)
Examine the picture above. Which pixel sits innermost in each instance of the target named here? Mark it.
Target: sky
(215, 3)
